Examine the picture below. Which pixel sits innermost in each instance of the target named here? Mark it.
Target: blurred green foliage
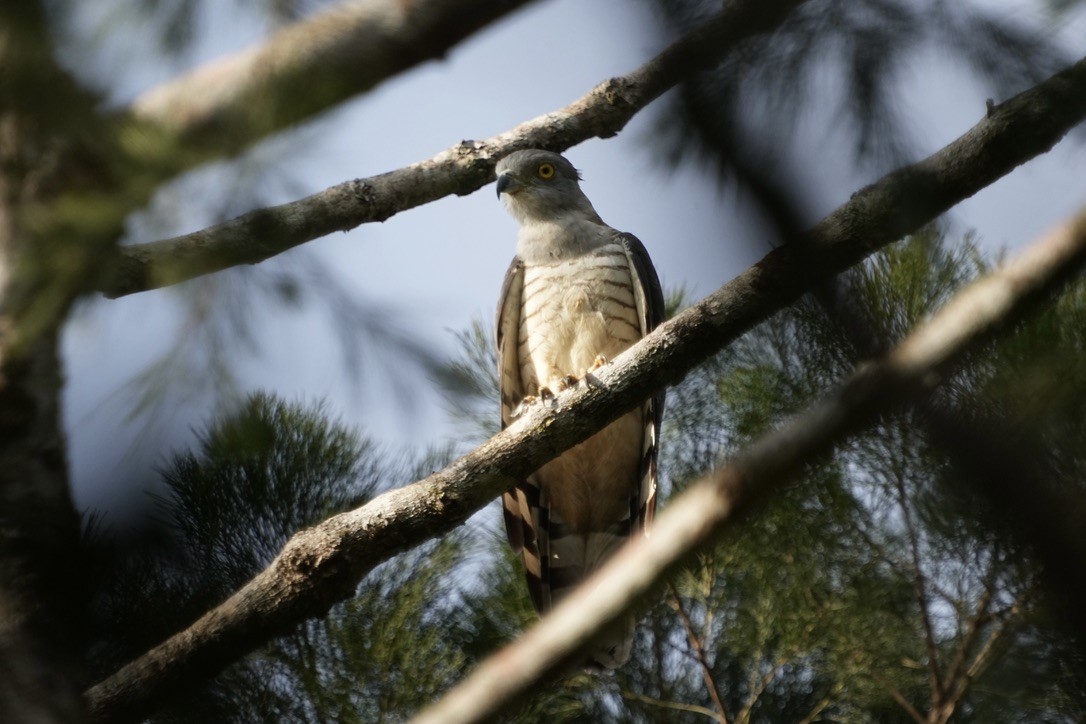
(835, 602)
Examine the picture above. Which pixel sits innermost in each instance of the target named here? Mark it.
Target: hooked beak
(507, 183)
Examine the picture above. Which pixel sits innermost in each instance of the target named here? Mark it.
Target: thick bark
(324, 564)
(462, 169)
(40, 593)
(695, 518)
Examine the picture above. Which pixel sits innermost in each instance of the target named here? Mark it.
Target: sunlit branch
(462, 169)
(308, 67)
(323, 564)
(673, 705)
(910, 372)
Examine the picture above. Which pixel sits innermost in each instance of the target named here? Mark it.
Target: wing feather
(518, 518)
(521, 505)
(649, 297)
(506, 329)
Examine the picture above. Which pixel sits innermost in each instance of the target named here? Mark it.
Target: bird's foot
(529, 400)
(589, 378)
(570, 381)
(567, 382)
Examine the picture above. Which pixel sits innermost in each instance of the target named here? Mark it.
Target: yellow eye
(545, 171)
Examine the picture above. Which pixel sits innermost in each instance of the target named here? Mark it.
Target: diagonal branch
(309, 67)
(920, 590)
(982, 616)
(113, 162)
(957, 677)
(898, 697)
(462, 169)
(1000, 623)
(673, 705)
(698, 650)
(758, 685)
(693, 520)
(1032, 504)
(324, 564)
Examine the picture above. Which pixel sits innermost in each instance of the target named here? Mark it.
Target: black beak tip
(504, 182)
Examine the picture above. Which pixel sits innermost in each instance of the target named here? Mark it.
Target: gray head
(539, 185)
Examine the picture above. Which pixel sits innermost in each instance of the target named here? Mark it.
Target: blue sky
(438, 267)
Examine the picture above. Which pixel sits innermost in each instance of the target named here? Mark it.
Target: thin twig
(898, 697)
(674, 705)
(699, 655)
(461, 169)
(910, 372)
(758, 686)
(980, 617)
(323, 564)
(821, 705)
(920, 589)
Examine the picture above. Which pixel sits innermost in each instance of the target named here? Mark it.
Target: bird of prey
(576, 294)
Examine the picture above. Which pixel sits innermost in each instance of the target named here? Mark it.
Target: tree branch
(898, 697)
(324, 564)
(1009, 469)
(957, 678)
(462, 169)
(920, 591)
(958, 687)
(118, 160)
(981, 616)
(673, 705)
(699, 655)
(309, 67)
(815, 713)
(694, 519)
(758, 685)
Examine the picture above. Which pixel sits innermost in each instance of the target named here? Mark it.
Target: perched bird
(576, 294)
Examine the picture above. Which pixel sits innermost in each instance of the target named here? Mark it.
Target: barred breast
(571, 312)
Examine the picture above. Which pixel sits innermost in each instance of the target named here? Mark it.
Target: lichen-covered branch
(602, 112)
(695, 518)
(323, 565)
